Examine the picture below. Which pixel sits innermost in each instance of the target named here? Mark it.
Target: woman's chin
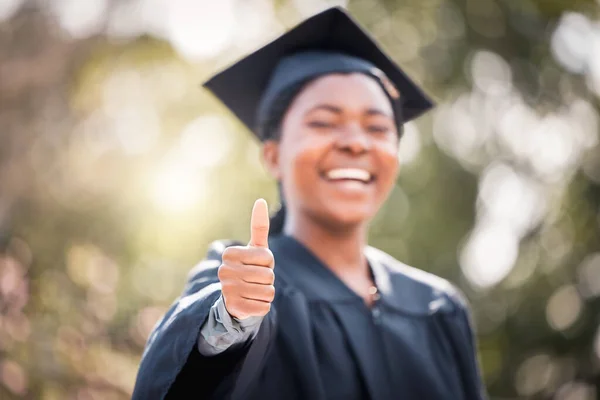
(348, 217)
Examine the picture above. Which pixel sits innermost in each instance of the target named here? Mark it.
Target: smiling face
(337, 154)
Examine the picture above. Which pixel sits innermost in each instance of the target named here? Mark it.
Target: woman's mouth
(349, 178)
(355, 174)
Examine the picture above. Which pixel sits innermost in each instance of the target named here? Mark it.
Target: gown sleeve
(464, 342)
(223, 332)
(172, 366)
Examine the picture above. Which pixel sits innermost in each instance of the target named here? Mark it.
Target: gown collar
(401, 287)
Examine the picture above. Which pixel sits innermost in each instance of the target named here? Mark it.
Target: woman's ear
(270, 153)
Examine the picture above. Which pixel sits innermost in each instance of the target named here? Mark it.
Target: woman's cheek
(388, 153)
(391, 167)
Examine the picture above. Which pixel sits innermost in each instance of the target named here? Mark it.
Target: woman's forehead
(347, 90)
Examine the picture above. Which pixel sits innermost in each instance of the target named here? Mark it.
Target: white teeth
(349, 173)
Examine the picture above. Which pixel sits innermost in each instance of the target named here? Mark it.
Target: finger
(258, 274)
(253, 291)
(249, 308)
(259, 256)
(254, 274)
(259, 224)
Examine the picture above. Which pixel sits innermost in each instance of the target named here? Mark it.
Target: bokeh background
(117, 171)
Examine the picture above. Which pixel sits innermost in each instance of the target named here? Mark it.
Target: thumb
(259, 224)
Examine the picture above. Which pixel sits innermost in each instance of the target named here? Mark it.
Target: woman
(307, 310)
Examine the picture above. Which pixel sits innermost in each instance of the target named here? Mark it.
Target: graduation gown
(320, 340)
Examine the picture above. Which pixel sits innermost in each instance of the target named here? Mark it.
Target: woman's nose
(354, 140)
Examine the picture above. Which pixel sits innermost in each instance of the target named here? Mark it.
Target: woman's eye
(378, 128)
(321, 124)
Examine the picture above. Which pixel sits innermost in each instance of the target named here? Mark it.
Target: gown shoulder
(416, 291)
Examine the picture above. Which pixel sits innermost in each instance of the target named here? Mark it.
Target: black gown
(320, 340)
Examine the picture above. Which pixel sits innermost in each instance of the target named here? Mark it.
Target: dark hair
(269, 128)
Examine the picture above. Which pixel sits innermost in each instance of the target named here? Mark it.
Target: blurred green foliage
(116, 172)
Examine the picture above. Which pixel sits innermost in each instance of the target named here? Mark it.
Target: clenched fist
(246, 273)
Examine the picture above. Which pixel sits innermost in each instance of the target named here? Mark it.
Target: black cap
(329, 42)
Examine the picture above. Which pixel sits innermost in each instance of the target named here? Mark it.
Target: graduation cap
(329, 42)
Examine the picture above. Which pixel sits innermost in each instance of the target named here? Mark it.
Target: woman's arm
(222, 332)
(171, 361)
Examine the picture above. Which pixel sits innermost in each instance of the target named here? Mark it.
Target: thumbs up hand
(246, 273)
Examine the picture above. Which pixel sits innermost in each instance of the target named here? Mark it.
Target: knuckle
(231, 271)
(226, 272)
(264, 256)
(222, 272)
(270, 276)
(231, 253)
(267, 254)
(227, 253)
(270, 293)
